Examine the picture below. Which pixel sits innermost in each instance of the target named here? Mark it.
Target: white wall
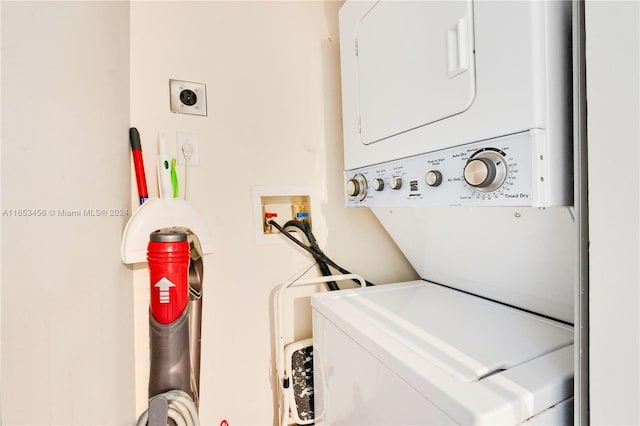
(67, 336)
(613, 72)
(272, 76)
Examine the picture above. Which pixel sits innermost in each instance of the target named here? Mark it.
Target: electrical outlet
(186, 97)
(192, 139)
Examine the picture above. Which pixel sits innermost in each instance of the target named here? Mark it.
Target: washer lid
(468, 337)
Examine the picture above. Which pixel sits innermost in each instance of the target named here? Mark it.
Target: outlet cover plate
(186, 97)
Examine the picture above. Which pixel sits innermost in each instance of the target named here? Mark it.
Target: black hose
(315, 249)
(323, 261)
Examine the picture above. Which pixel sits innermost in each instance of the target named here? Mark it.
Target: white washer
(421, 353)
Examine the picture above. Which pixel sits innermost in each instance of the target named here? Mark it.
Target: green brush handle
(174, 178)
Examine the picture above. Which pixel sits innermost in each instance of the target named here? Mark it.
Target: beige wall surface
(274, 119)
(67, 300)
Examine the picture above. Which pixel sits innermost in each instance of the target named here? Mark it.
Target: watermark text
(64, 212)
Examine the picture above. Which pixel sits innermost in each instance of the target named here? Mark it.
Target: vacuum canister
(168, 257)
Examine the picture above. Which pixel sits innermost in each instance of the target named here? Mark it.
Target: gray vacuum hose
(181, 409)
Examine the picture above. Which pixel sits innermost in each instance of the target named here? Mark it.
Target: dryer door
(415, 65)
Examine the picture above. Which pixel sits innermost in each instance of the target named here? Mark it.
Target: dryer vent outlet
(186, 97)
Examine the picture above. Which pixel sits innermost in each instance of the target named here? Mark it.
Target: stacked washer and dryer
(457, 135)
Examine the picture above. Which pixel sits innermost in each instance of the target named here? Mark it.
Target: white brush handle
(164, 169)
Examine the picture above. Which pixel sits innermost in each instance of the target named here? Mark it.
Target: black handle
(134, 137)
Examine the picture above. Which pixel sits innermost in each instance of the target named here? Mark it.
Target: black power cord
(313, 248)
(323, 261)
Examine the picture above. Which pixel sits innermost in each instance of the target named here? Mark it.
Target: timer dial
(486, 170)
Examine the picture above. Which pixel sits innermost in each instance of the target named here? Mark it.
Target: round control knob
(395, 182)
(357, 187)
(378, 184)
(486, 171)
(433, 178)
(480, 172)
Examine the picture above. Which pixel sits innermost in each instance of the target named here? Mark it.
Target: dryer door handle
(458, 48)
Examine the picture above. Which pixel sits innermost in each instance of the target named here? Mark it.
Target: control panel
(499, 172)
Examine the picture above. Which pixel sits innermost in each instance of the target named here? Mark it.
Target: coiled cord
(181, 409)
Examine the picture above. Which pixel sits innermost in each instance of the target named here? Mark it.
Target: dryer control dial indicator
(486, 170)
(479, 172)
(378, 184)
(395, 182)
(357, 187)
(433, 178)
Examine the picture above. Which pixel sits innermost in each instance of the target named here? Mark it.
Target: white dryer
(457, 134)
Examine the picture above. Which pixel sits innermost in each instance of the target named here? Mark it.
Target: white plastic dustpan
(158, 213)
